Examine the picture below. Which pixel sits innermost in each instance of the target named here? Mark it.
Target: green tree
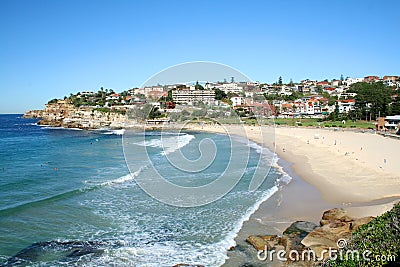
(372, 99)
(219, 94)
(334, 116)
(394, 108)
(53, 101)
(169, 96)
(198, 86)
(319, 89)
(280, 80)
(154, 113)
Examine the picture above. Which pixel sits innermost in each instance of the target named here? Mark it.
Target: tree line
(374, 100)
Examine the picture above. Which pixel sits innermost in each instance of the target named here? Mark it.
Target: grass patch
(311, 122)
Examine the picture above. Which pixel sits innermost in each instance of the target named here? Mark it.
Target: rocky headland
(64, 114)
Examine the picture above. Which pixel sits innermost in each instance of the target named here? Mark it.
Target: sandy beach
(345, 166)
(351, 169)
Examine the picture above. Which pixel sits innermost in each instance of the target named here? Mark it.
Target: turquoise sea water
(74, 187)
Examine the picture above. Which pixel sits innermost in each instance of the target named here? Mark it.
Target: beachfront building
(186, 96)
(392, 122)
(346, 105)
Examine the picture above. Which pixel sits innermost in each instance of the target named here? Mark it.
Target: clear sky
(52, 48)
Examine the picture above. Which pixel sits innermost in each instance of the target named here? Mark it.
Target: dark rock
(300, 228)
(68, 250)
(258, 242)
(294, 234)
(232, 248)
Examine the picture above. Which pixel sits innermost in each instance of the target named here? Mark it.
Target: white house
(346, 105)
(238, 101)
(230, 88)
(350, 81)
(392, 122)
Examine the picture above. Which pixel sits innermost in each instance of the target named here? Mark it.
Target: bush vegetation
(379, 238)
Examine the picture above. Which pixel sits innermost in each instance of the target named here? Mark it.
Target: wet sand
(357, 171)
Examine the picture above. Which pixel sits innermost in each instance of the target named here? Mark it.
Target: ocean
(68, 198)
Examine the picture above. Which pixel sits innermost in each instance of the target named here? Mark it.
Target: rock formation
(308, 238)
(64, 114)
(68, 252)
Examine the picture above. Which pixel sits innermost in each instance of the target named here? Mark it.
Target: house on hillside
(345, 106)
(370, 79)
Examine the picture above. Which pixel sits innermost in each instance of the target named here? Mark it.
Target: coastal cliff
(63, 114)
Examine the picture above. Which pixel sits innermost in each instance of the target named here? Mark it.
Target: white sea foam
(168, 144)
(257, 147)
(163, 133)
(60, 128)
(116, 132)
(285, 177)
(27, 124)
(123, 179)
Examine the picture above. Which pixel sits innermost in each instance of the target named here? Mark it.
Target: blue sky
(51, 48)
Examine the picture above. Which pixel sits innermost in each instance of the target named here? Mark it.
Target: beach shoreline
(314, 188)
